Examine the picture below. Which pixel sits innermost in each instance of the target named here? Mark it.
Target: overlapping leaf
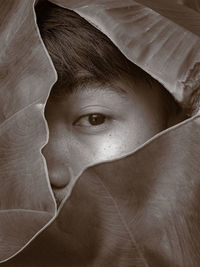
(141, 210)
(138, 211)
(162, 37)
(26, 203)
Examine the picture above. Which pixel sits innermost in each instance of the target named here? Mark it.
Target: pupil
(96, 119)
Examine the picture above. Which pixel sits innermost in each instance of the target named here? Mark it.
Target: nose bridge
(57, 154)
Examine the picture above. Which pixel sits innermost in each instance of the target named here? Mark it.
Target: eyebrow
(116, 89)
(59, 91)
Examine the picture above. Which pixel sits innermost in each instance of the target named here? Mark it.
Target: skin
(97, 123)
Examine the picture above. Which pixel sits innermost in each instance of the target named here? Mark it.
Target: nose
(57, 150)
(58, 167)
(59, 174)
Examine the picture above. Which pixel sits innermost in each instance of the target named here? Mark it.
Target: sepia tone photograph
(99, 133)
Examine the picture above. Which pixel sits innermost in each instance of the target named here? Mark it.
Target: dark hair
(82, 54)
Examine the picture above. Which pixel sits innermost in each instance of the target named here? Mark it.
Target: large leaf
(26, 75)
(142, 210)
(162, 37)
(138, 211)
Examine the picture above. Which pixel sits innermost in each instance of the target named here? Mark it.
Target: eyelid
(88, 114)
(97, 109)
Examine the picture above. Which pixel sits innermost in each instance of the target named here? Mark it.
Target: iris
(96, 119)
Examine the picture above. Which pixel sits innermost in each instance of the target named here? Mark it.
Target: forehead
(121, 86)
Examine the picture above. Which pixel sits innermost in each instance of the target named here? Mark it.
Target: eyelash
(99, 117)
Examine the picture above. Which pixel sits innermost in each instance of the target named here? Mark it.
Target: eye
(90, 120)
(96, 119)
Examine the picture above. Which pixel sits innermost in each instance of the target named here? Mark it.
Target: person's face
(96, 124)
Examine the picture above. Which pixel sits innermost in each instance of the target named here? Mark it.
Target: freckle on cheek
(108, 152)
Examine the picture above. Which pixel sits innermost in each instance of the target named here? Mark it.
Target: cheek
(88, 150)
(106, 147)
(111, 145)
(121, 140)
